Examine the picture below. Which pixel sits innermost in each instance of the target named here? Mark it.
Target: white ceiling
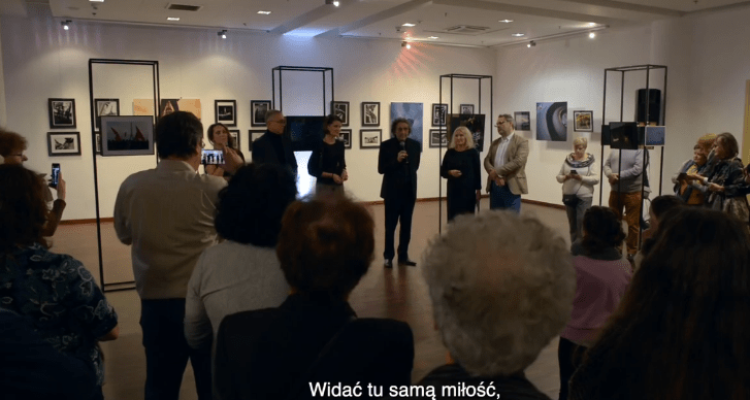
(537, 19)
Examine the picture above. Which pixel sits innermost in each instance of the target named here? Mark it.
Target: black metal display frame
(113, 286)
(281, 69)
(623, 70)
(480, 79)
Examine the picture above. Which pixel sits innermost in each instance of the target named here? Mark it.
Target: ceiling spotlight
(518, 34)
(261, 12)
(173, 18)
(334, 2)
(406, 44)
(531, 44)
(592, 24)
(433, 37)
(409, 24)
(506, 21)
(592, 35)
(222, 34)
(66, 24)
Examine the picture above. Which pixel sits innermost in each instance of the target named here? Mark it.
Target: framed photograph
(439, 112)
(226, 112)
(127, 136)
(438, 138)
(235, 135)
(62, 113)
(370, 138)
(370, 114)
(466, 109)
(105, 108)
(475, 123)
(254, 135)
(258, 110)
(168, 106)
(523, 120)
(584, 121)
(414, 113)
(346, 137)
(341, 109)
(552, 121)
(98, 139)
(63, 144)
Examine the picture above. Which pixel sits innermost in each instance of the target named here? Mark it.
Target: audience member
(578, 175)
(167, 214)
(218, 135)
(461, 167)
(274, 147)
(327, 162)
(602, 275)
(506, 166)
(681, 330)
(54, 293)
(325, 247)
(688, 188)
(502, 287)
(626, 182)
(241, 273)
(659, 206)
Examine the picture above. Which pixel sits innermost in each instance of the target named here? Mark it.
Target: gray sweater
(632, 170)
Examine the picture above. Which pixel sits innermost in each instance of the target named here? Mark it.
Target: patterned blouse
(59, 298)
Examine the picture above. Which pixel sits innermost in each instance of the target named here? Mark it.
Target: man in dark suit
(273, 147)
(398, 161)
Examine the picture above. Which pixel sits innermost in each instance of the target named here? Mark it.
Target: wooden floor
(398, 293)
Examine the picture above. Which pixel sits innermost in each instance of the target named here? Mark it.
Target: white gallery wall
(43, 61)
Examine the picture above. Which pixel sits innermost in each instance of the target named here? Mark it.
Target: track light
(335, 3)
(531, 44)
(66, 24)
(222, 34)
(406, 44)
(592, 35)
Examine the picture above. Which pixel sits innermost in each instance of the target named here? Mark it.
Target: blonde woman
(578, 176)
(462, 169)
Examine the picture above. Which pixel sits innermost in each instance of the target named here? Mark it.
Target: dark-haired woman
(242, 273)
(681, 330)
(327, 162)
(218, 135)
(325, 247)
(602, 275)
(54, 293)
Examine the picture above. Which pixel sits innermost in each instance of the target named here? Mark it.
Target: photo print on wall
(439, 113)
(370, 114)
(258, 110)
(466, 109)
(63, 144)
(226, 112)
(412, 112)
(105, 108)
(253, 136)
(127, 136)
(583, 121)
(346, 137)
(475, 123)
(438, 138)
(168, 106)
(62, 113)
(552, 121)
(235, 135)
(341, 110)
(523, 121)
(369, 138)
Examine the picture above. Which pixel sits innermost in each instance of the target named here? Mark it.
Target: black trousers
(398, 209)
(167, 351)
(569, 357)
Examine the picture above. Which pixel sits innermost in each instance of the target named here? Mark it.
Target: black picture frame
(346, 137)
(258, 110)
(65, 144)
(341, 109)
(522, 121)
(98, 141)
(583, 121)
(105, 108)
(235, 134)
(370, 113)
(439, 114)
(367, 136)
(466, 109)
(253, 135)
(62, 113)
(438, 133)
(225, 112)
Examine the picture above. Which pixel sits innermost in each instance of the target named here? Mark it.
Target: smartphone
(573, 172)
(55, 176)
(212, 157)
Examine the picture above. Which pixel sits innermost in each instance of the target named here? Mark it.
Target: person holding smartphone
(578, 175)
(218, 135)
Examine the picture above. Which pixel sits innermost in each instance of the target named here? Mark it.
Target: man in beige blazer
(505, 165)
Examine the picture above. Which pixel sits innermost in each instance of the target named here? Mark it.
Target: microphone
(403, 148)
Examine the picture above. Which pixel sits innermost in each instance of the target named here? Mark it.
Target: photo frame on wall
(62, 113)
(98, 139)
(341, 109)
(127, 136)
(105, 108)
(346, 137)
(438, 138)
(63, 144)
(523, 120)
(552, 121)
(439, 113)
(466, 109)
(253, 135)
(235, 135)
(258, 110)
(583, 121)
(370, 114)
(226, 112)
(370, 138)
(168, 106)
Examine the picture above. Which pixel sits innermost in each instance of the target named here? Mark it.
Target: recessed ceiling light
(409, 24)
(592, 35)
(173, 18)
(506, 21)
(518, 34)
(592, 23)
(264, 12)
(433, 37)
(97, 1)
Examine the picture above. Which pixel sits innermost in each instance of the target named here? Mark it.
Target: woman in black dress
(461, 168)
(327, 162)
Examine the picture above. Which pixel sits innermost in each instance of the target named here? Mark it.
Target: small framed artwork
(369, 138)
(258, 110)
(98, 140)
(466, 109)
(584, 121)
(226, 112)
(523, 120)
(105, 108)
(346, 137)
(370, 114)
(254, 135)
(127, 136)
(341, 109)
(439, 112)
(438, 138)
(63, 144)
(62, 113)
(235, 135)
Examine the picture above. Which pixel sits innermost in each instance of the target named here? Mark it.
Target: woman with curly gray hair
(502, 287)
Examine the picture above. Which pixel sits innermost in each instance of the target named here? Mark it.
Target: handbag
(572, 200)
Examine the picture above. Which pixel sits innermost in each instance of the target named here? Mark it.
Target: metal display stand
(113, 286)
(281, 69)
(452, 77)
(623, 70)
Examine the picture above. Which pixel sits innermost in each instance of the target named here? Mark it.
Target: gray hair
(271, 113)
(502, 287)
(509, 118)
(467, 134)
(581, 140)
